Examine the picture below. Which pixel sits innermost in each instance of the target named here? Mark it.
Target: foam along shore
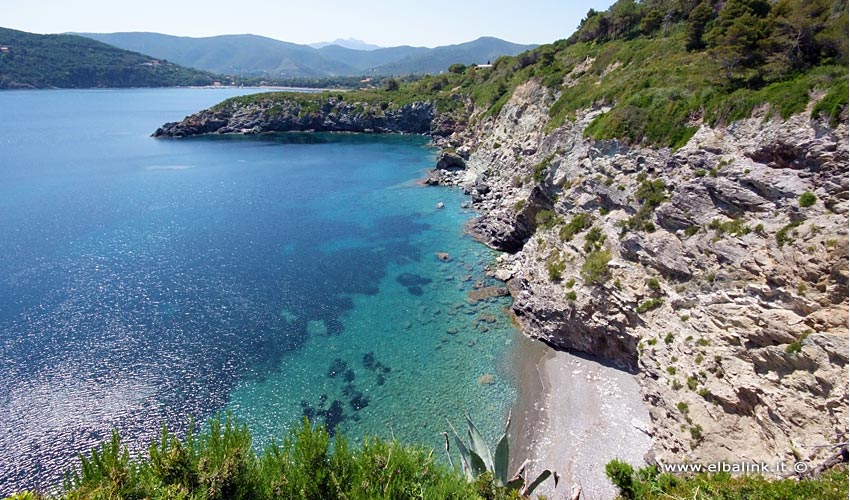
(573, 415)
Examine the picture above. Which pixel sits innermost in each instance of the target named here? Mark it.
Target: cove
(276, 277)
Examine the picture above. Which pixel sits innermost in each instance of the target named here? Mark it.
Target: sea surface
(280, 276)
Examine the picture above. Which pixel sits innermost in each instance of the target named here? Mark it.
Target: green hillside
(662, 66)
(29, 60)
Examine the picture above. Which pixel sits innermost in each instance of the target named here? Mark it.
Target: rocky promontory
(306, 112)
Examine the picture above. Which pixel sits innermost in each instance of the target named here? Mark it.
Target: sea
(273, 277)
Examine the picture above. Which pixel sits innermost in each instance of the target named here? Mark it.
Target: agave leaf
(479, 445)
(502, 456)
(534, 484)
(516, 482)
(464, 454)
(477, 464)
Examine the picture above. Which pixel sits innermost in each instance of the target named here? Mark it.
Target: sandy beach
(573, 415)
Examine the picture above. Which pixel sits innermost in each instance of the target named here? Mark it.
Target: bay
(275, 277)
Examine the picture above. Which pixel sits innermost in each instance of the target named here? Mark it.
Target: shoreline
(573, 414)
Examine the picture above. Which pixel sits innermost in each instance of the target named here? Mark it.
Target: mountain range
(258, 56)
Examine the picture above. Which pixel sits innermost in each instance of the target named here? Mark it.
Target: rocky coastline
(333, 115)
(719, 274)
(723, 292)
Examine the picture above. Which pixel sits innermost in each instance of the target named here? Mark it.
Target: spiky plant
(476, 459)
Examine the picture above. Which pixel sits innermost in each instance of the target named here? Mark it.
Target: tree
(392, 85)
(697, 21)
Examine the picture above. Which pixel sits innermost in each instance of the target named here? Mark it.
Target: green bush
(808, 199)
(595, 267)
(593, 240)
(546, 219)
(577, 224)
(785, 235)
(650, 304)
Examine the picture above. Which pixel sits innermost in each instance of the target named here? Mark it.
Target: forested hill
(29, 60)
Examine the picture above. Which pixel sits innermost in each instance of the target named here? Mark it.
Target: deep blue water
(146, 280)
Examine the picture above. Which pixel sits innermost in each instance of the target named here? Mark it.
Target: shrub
(542, 168)
(653, 284)
(595, 267)
(785, 235)
(668, 339)
(546, 219)
(650, 304)
(577, 224)
(572, 296)
(808, 199)
(594, 240)
(622, 475)
(797, 345)
(555, 267)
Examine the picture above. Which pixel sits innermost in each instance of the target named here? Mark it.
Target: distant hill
(245, 55)
(348, 43)
(29, 60)
(253, 56)
(439, 58)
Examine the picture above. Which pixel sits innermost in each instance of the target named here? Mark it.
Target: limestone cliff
(725, 287)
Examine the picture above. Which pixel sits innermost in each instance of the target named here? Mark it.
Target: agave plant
(476, 460)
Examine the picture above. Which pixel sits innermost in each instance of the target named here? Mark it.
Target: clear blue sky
(382, 22)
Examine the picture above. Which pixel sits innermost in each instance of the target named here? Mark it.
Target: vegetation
(649, 483)
(662, 66)
(577, 224)
(70, 61)
(797, 345)
(786, 233)
(478, 462)
(735, 227)
(649, 305)
(808, 199)
(221, 464)
(595, 267)
(555, 267)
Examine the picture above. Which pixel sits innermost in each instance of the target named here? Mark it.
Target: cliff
(725, 284)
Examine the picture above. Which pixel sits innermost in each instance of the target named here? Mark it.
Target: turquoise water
(276, 277)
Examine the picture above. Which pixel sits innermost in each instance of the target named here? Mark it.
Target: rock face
(334, 115)
(725, 295)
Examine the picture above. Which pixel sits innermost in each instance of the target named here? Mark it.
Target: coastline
(573, 415)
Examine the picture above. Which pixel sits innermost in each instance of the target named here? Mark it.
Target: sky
(381, 22)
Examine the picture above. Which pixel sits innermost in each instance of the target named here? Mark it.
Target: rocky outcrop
(283, 115)
(725, 294)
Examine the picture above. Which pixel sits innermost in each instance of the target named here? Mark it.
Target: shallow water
(280, 276)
